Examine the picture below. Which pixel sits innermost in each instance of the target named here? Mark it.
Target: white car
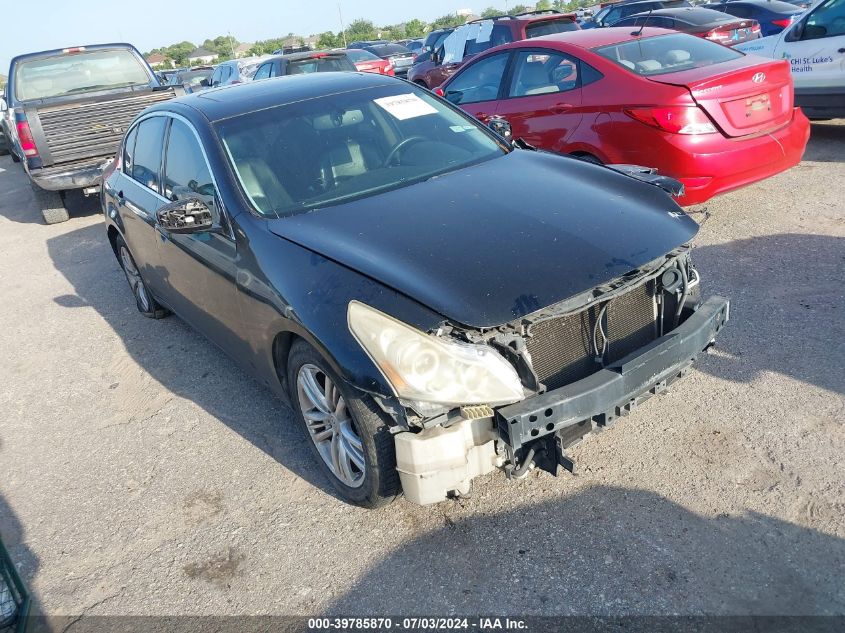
(815, 46)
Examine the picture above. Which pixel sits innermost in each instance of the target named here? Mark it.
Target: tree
(543, 5)
(447, 21)
(329, 40)
(520, 8)
(360, 30)
(415, 28)
(490, 12)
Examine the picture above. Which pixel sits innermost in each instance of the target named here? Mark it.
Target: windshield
(78, 72)
(667, 54)
(193, 78)
(328, 150)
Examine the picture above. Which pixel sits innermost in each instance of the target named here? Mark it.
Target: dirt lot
(142, 473)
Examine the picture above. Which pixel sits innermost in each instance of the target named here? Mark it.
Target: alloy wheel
(330, 425)
(134, 279)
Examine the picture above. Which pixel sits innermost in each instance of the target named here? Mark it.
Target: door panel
(200, 267)
(137, 198)
(544, 98)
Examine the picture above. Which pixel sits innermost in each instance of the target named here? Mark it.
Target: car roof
(228, 101)
(592, 38)
(778, 6)
(695, 15)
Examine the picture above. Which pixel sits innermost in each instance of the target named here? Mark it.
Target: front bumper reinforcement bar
(570, 412)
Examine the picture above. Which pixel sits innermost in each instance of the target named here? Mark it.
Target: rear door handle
(841, 50)
(560, 108)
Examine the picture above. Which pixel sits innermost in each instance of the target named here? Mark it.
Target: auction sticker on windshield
(407, 106)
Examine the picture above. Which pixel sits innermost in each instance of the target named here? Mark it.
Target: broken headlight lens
(431, 369)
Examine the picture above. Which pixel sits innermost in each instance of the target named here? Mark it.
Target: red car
(369, 63)
(431, 72)
(705, 114)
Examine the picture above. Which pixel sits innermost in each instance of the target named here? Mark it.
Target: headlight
(429, 369)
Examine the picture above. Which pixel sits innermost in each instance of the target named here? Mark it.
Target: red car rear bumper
(708, 167)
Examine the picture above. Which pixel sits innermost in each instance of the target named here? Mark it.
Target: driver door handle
(560, 108)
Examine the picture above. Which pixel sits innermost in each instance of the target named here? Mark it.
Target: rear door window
(146, 163)
(479, 82)
(667, 54)
(543, 72)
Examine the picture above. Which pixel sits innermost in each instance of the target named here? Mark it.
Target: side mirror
(3, 105)
(501, 127)
(190, 215)
(205, 82)
(436, 56)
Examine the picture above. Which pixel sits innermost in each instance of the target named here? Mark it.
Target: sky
(150, 24)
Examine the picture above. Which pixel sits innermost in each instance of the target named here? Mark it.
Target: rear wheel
(345, 430)
(144, 300)
(51, 204)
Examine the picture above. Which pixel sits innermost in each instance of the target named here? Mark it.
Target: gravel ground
(142, 473)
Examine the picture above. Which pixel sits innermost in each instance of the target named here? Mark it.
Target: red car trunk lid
(741, 96)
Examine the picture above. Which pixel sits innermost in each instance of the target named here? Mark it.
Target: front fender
(286, 290)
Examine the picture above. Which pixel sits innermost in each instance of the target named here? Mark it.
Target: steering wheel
(402, 145)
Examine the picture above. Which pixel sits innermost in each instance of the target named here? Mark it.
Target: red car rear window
(665, 54)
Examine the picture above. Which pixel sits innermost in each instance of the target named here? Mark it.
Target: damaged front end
(580, 364)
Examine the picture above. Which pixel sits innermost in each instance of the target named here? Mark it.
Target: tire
(144, 300)
(588, 158)
(370, 441)
(422, 84)
(51, 204)
(15, 157)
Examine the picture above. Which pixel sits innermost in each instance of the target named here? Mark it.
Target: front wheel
(344, 429)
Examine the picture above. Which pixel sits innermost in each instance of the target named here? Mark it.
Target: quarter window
(479, 82)
(543, 72)
(263, 72)
(129, 150)
(186, 173)
(147, 156)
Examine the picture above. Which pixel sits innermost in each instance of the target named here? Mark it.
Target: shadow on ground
(589, 546)
(787, 296)
(13, 537)
(182, 361)
(827, 143)
(13, 183)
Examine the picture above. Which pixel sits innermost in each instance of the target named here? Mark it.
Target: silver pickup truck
(64, 113)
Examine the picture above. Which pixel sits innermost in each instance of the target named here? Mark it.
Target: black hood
(496, 241)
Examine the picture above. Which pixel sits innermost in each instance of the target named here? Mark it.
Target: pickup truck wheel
(52, 205)
(144, 300)
(345, 430)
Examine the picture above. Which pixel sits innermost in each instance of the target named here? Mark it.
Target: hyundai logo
(759, 78)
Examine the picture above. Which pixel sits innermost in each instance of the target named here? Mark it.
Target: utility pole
(231, 44)
(342, 28)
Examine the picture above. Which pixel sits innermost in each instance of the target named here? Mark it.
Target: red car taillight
(439, 92)
(717, 35)
(25, 137)
(674, 119)
(782, 23)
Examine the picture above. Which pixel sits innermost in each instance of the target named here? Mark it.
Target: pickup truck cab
(815, 48)
(66, 111)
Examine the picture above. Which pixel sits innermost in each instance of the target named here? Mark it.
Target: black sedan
(712, 25)
(433, 301)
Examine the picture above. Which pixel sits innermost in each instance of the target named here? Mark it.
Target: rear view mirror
(501, 127)
(185, 216)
